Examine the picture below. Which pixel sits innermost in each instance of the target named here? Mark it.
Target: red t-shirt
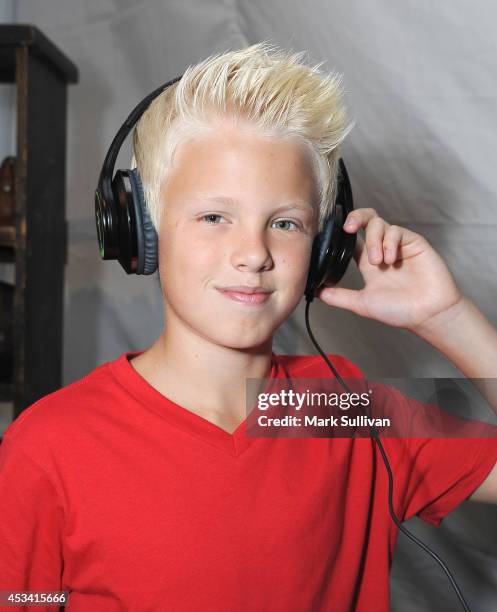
(133, 503)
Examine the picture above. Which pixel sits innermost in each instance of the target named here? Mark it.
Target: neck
(213, 365)
(200, 375)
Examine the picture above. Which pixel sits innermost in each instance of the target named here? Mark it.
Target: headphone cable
(376, 436)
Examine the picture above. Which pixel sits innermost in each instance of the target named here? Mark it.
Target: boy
(140, 489)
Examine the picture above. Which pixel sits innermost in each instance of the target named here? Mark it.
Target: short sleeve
(438, 459)
(441, 473)
(31, 520)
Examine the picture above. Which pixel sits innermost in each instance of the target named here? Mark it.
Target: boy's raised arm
(408, 285)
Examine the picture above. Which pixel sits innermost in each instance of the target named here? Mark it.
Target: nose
(250, 251)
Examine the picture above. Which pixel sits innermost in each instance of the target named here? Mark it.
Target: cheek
(294, 264)
(173, 266)
(183, 261)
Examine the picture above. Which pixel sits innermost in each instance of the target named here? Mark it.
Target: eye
(211, 219)
(286, 221)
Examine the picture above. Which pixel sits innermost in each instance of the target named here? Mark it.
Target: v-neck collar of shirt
(232, 443)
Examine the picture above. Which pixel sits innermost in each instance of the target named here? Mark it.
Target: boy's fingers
(393, 237)
(349, 299)
(375, 231)
(359, 218)
(359, 248)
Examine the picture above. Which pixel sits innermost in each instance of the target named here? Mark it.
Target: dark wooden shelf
(36, 244)
(25, 35)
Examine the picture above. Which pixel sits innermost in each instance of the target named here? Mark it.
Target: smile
(246, 296)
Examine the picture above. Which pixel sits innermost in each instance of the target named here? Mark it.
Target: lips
(245, 294)
(245, 289)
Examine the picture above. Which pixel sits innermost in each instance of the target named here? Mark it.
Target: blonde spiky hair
(270, 88)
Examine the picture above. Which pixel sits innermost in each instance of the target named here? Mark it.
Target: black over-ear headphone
(125, 230)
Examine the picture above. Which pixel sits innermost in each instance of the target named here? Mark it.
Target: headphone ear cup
(121, 215)
(134, 235)
(146, 236)
(333, 247)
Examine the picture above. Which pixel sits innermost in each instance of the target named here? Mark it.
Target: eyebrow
(290, 206)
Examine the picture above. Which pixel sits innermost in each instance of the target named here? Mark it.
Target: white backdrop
(421, 84)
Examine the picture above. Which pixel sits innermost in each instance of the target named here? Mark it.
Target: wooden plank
(41, 230)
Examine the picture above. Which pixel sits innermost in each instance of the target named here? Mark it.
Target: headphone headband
(105, 178)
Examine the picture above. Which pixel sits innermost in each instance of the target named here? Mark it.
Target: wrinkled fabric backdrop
(420, 80)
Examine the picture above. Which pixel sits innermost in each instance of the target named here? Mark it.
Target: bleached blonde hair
(272, 89)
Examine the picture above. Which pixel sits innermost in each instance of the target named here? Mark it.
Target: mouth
(245, 294)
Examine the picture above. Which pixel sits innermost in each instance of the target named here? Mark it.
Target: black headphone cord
(376, 436)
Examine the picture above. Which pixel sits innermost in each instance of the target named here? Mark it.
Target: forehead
(241, 157)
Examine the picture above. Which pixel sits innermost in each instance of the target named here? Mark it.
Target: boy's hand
(407, 284)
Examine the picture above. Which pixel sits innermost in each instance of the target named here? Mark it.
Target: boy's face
(260, 235)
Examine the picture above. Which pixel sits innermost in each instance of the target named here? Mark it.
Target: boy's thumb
(350, 299)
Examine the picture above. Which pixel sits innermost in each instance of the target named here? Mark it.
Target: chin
(243, 341)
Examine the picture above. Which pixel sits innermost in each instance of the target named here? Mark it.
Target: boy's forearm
(469, 341)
